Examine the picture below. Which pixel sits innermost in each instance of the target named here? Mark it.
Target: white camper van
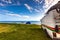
(51, 21)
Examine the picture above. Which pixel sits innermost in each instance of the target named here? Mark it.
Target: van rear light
(54, 34)
(56, 29)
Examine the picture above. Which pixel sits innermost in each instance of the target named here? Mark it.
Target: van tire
(42, 27)
(47, 33)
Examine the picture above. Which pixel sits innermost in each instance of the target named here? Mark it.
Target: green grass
(22, 32)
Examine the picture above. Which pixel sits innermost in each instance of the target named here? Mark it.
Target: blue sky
(23, 10)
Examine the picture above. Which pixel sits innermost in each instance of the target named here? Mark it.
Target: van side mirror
(58, 10)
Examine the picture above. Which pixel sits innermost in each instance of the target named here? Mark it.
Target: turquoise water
(21, 22)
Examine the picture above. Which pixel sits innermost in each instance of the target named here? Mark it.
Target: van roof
(54, 7)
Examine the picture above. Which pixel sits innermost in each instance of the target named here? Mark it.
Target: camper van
(51, 21)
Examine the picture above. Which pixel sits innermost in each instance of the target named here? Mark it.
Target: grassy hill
(22, 32)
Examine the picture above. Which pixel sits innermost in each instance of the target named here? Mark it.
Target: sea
(22, 22)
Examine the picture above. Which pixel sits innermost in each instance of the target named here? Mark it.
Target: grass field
(22, 32)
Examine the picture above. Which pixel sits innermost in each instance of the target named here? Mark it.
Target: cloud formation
(32, 9)
(37, 0)
(17, 15)
(39, 5)
(48, 4)
(37, 10)
(12, 16)
(41, 1)
(9, 2)
(28, 7)
(1, 4)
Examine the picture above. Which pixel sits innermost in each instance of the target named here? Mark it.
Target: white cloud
(28, 7)
(9, 13)
(3, 0)
(37, 0)
(48, 4)
(37, 10)
(36, 18)
(17, 3)
(17, 15)
(14, 15)
(10, 16)
(5, 11)
(25, 16)
(7, 1)
(41, 1)
(20, 16)
(1, 4)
